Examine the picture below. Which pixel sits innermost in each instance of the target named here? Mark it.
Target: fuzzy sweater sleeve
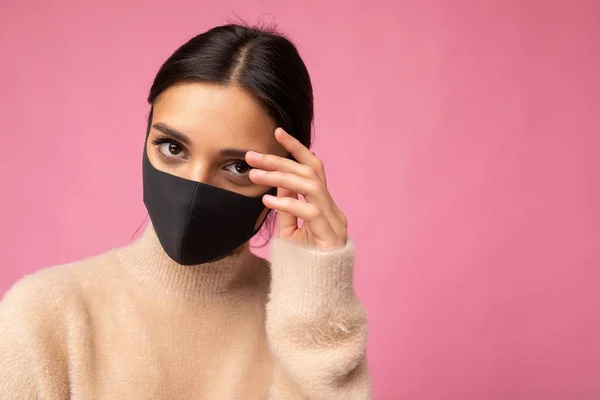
(316, 326)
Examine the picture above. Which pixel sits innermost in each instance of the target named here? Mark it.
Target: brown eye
(174, 149)
(171, 149)
(240, 168)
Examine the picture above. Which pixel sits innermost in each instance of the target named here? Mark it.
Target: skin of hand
(324, 225)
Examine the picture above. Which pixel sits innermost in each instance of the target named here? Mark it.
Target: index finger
(300, 152)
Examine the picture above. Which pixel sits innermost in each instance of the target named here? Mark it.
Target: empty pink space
(461, 138)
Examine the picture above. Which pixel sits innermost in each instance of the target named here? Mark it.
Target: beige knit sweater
(132, 324)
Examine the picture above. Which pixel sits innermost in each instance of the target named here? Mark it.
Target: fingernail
(252, 153)
(270, 198)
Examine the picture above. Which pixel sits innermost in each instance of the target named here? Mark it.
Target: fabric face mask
(198, 223)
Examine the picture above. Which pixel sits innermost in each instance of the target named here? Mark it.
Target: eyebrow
(226, 152)
(236, 153)
(167, 130)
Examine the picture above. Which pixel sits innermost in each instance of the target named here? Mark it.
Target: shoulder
(38, 316)
(39, 299)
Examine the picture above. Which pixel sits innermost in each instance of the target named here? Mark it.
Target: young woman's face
(201, 131)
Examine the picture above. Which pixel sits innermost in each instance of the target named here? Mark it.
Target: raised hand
(324, 225)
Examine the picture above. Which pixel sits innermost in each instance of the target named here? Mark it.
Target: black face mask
(198, 223)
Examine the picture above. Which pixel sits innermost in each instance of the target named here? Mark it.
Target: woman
(186, 311)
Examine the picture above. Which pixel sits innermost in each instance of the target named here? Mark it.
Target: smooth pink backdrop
(460, 137)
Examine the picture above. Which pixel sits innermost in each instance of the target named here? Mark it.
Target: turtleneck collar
(228, 278)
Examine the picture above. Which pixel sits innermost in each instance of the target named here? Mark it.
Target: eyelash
(165, 139)
(157, 142)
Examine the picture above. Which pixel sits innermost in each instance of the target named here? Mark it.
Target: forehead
(216, 116)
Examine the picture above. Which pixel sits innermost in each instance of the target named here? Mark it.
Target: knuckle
(315, 187)
(319, 165)
(314, 212)
(311, 172)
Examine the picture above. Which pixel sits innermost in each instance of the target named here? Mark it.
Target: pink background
(462, 139)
